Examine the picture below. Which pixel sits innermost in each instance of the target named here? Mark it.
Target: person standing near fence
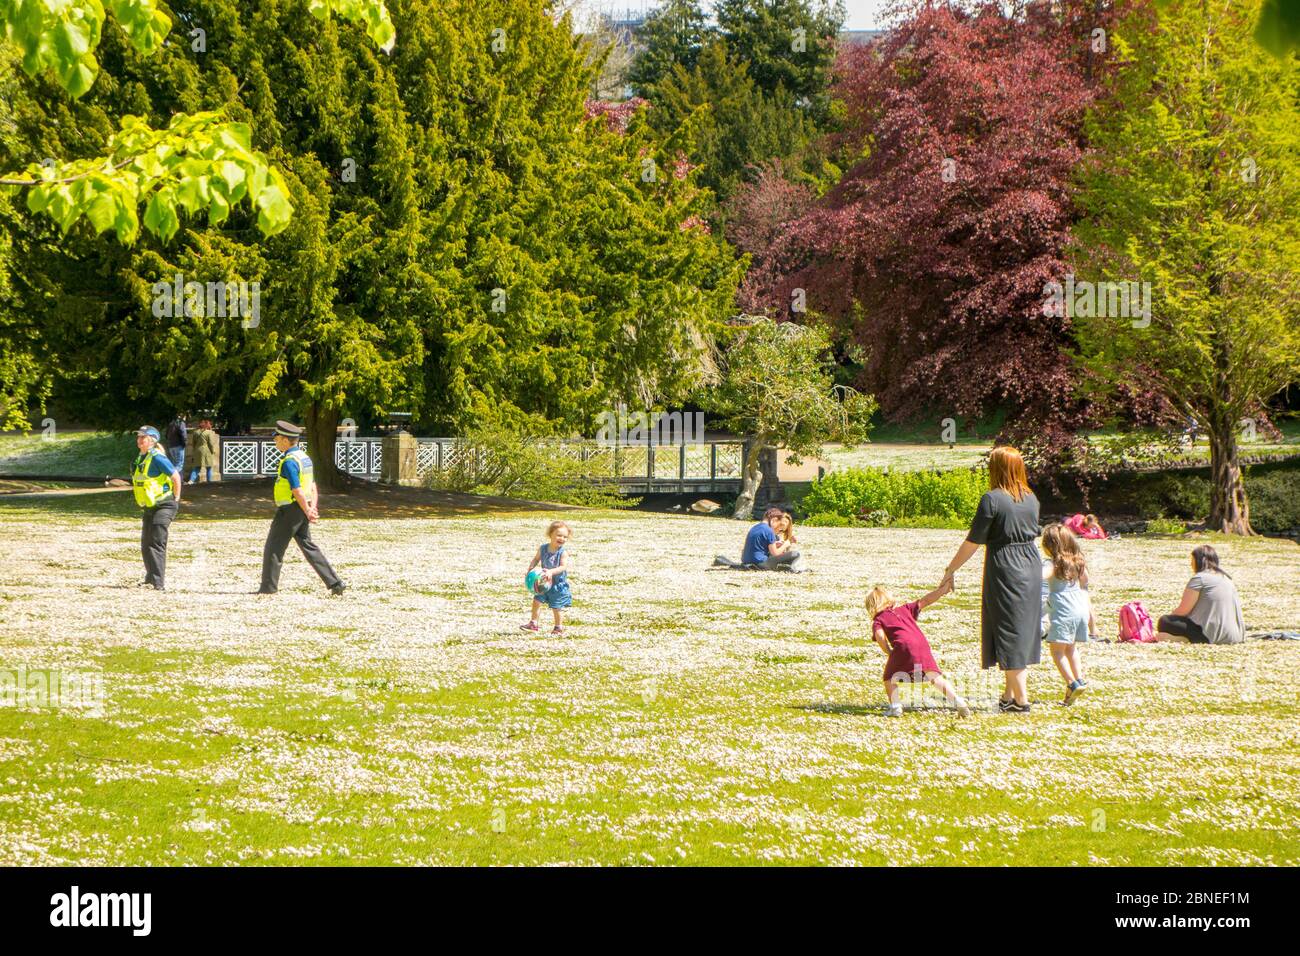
(177, 436)
(295, 512)
(203, 450)
(157, 486)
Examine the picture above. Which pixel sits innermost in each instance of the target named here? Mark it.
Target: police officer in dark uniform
(295, 511)
(157, 486)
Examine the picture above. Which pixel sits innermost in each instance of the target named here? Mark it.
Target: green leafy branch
(62, 35)
(199, 163)
(370, 14)
(1278, 28)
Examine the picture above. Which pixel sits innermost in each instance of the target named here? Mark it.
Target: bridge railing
(699, 466)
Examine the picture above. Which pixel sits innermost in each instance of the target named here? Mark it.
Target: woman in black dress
(1011, 610)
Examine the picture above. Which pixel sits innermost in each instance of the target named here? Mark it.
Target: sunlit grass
(89, 454)
(689, 716)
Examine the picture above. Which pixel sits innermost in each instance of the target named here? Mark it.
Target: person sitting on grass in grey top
(1210, 612)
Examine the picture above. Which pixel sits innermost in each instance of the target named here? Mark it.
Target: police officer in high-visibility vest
(295, 500)
(157, 486)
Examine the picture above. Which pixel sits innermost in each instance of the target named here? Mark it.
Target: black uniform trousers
(290, 523)
(154, 524)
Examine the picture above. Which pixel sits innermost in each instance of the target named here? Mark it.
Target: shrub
(1165, 526)
(865, 492)
(1274, 498)
(881, 519)
(828, 520)
(1174, 495)
(509, 461)
(932, 521)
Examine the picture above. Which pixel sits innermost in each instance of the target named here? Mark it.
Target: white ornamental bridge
(645, 468)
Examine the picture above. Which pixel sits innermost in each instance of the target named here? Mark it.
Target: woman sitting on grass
(785, 553)
(1210, 611)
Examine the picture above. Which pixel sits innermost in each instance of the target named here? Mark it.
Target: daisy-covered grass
(687, 716)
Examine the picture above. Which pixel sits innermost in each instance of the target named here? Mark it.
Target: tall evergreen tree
(673, 35)
(789, 44)
(738, 126)
(24, 381)
(755, 86)
(464, 238)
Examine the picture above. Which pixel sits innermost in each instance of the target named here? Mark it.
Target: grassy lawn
(687, 717)
(905, 456)
(914, 450)
(92, 454)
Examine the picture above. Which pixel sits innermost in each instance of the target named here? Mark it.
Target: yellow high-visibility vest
(151, 491)
(283, 493)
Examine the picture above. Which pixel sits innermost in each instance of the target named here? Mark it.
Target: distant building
(625, 22)
(617, 28)
(627, 19)
(860, 37)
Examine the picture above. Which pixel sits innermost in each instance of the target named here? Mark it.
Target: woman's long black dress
(1012, 604)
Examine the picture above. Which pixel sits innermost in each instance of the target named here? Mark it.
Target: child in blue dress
(1069, 609)
(554, 562)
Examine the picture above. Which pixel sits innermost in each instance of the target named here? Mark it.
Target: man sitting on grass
(764, 549)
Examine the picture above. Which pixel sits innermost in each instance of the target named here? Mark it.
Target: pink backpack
(1135, 624)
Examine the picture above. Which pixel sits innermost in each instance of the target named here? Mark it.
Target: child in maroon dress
(910, 659)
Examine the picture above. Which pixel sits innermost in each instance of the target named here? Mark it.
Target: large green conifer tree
(465, 239)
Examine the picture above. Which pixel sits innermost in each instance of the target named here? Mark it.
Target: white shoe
(893, 710)
(963, 708)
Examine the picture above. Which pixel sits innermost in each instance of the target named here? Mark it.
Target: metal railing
(638, 469)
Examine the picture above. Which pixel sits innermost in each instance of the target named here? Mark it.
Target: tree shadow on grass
(360, 499)
(254, 499)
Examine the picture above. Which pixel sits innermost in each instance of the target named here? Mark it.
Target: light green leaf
(160, 216)
(274, 210)
(192, 193)
(218, 209)
(102, 211)
(38, 198)
(77, 77)
(127, 225)
(231, 173)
